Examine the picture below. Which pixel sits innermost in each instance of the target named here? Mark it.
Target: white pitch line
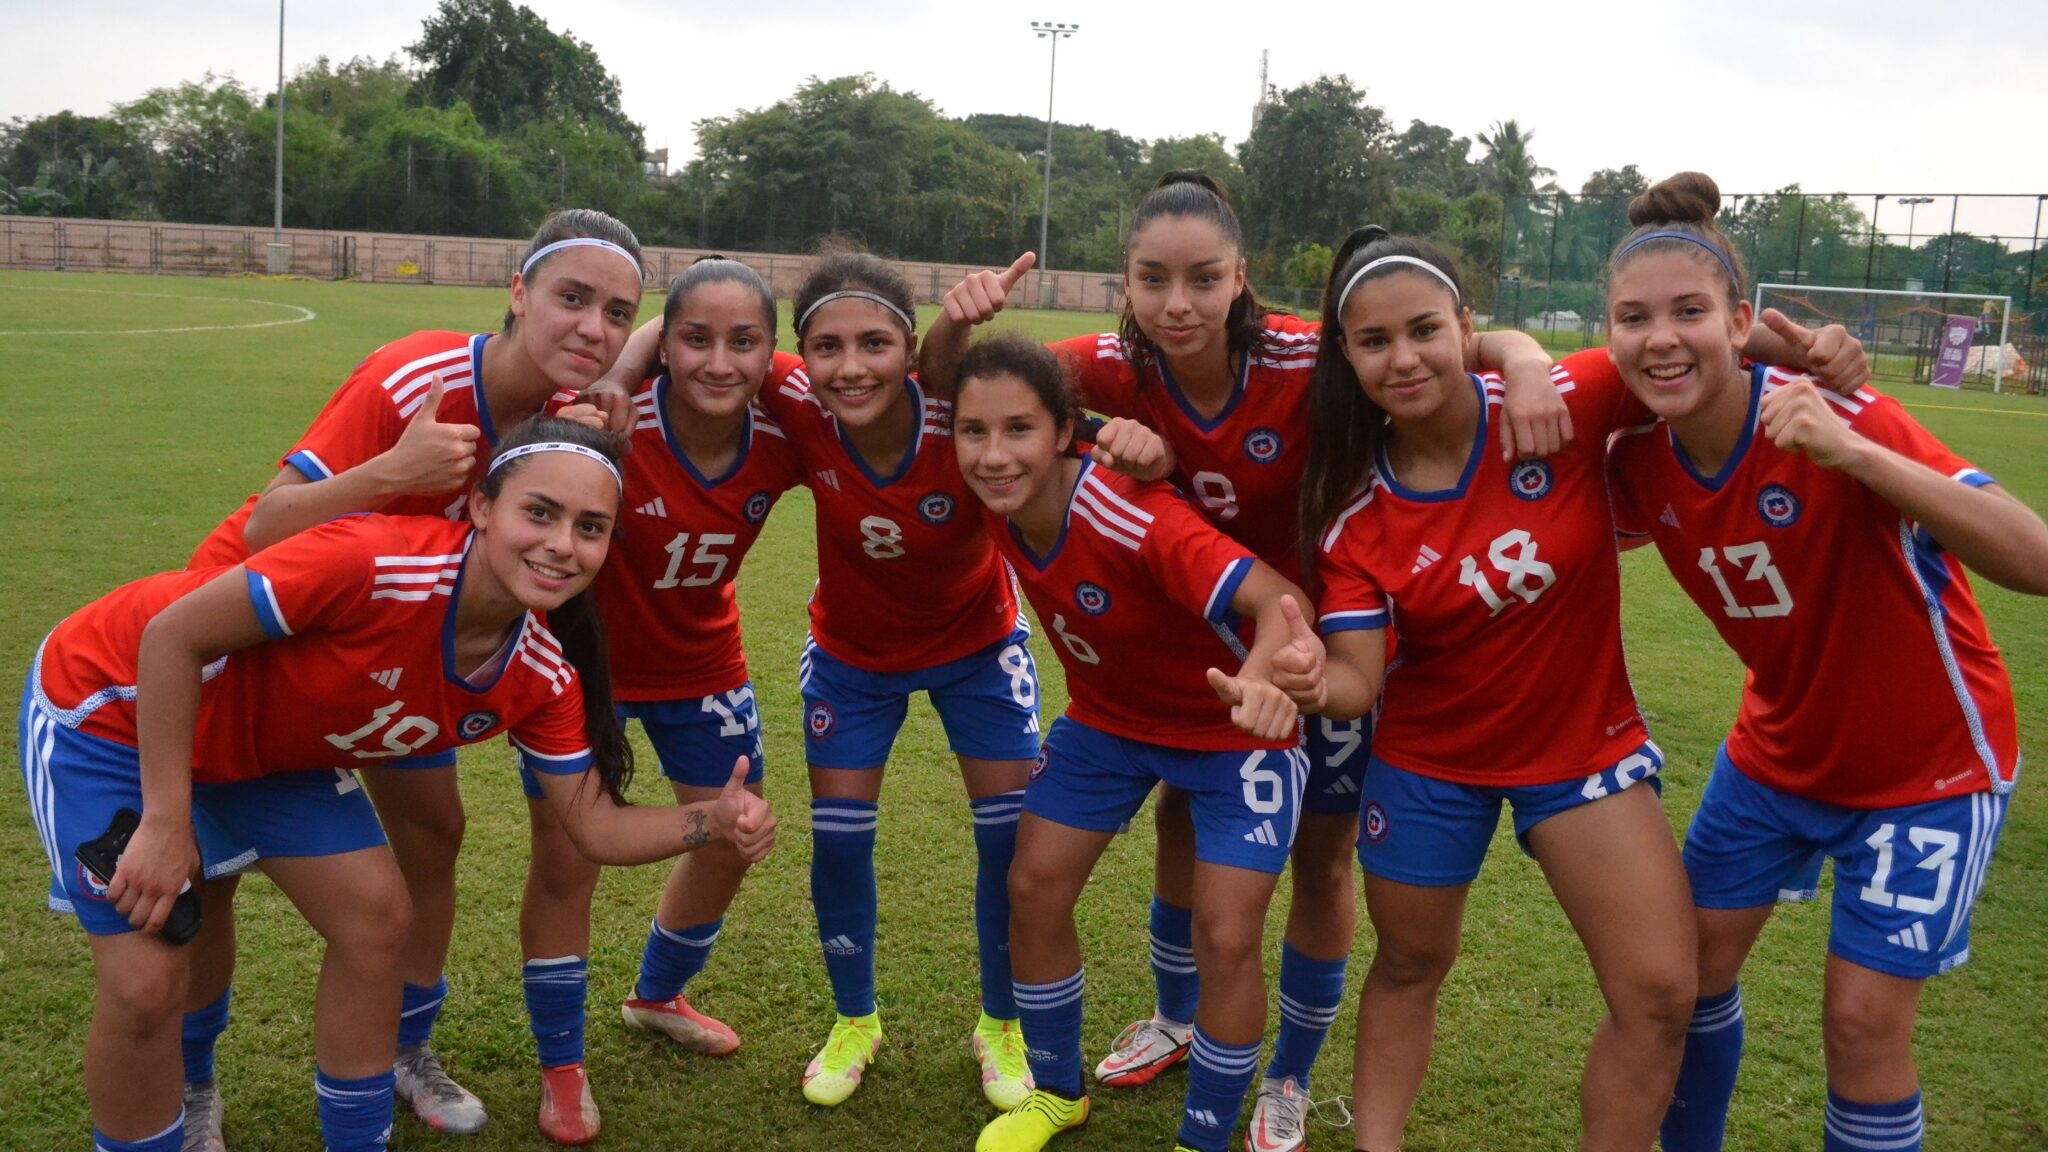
(304, 314)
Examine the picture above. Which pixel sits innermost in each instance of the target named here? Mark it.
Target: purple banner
(1954, 351)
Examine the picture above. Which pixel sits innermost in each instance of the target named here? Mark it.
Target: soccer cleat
(1279, 1119)
(436, 1098)
(202, 1119)
(1005, 1073)
(1031, 1125)
(690, 1029)
(568, 1115)
(1142, 1051)
(835, 1071)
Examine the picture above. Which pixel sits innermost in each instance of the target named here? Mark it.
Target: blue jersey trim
(518, 636)
(263, 598)
(308, 465)
(1386, 470)
(1067, 519)
(675, 448)
(1180, 400)
(575, 764)
(476, 388)
(1218, 610)
(1363, 620)
(909, 454)
(1931, 575)
(1719, 479)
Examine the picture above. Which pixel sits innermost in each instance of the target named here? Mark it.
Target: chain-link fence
(1555, 246)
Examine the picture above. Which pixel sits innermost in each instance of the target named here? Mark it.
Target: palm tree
(1508, 167)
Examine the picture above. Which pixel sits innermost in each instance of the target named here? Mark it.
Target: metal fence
(1554, 249)
(63, 244)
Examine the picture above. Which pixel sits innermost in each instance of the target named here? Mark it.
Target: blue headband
(1689, 238)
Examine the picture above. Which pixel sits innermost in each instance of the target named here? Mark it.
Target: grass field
(137, 444)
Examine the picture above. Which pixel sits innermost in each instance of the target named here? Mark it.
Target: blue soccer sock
(843, 894)
(1219, 1075)
(1698, 1116)
(1311, 992)
(355, 1115)
(1173, 962)
(995, 842)
(671, 958)
(198, 1034)
(169, 1140)
(1050, 1015)
(555, 991)
(417, 1011)
(1894, 1127)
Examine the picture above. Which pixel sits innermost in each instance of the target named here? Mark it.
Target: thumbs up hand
(742, 817)
(430, 457)
(982, 294)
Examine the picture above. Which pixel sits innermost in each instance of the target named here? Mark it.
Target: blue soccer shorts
(1245, 804)
(1337, 754)
(987, 701)
(696, 740)
(1431, 833)
(1906, 879)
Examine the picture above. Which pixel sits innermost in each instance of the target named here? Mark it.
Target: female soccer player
(1826, 537)
(1226, 383)
(706, 467)
(182, 696)
(1496, 574)
(1142, 595)
(911, 597)
(402, 436)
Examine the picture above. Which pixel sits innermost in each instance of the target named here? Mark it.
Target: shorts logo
(1375, 823)
(936, 508)
(1263, 445)
(1044, 758)
(475, 724)
(1777, 505)
(90, 885)
(756, 508)
(820, 720)
(1531, 480)
(1093, 598)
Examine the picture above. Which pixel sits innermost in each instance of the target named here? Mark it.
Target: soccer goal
(1904, 331)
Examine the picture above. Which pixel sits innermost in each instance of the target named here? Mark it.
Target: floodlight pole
(2033, 248)
(1913, 204)
(1870, 256)
(1055, 33)
(279, 256)
(1948, 256)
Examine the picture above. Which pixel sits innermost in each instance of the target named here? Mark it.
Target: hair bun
(1196, 177)
(1686, 198)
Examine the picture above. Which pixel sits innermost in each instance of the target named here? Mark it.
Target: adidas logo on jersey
(829, 477)
(842, 945)
(1670, 516)
(1424, 559)
(388, 678)
(1264, 834)
(1912, 939)
(653, 507)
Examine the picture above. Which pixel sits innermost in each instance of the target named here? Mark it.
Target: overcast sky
(1876, 96)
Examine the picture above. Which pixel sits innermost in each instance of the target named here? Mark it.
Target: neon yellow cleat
(836, 1070)
(1005, 1073)
(1031, 1125)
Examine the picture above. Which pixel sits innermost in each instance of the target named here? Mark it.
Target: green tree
(512, 70)
(207, 143)
(1317, 163)
(1508, 168)
(1431, 159)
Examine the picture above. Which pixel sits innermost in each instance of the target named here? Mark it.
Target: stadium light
(1913, 204)
(1047, 30)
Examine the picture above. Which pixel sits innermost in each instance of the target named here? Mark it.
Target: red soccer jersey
(1244, 466)
(666, 589)
(366, 417)
(1137, 593)
(1505, 595)
(907, 577)
(360, 613)
(1872, 682)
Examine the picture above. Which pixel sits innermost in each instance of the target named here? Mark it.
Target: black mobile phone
(102, 855)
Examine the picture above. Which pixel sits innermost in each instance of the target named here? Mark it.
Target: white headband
(1382, 262)
(909, 325)
(579, 242)
(538, 446)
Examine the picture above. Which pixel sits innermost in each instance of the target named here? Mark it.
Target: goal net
(1952, 338)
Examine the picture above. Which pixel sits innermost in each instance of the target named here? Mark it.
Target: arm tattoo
(696, 829)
